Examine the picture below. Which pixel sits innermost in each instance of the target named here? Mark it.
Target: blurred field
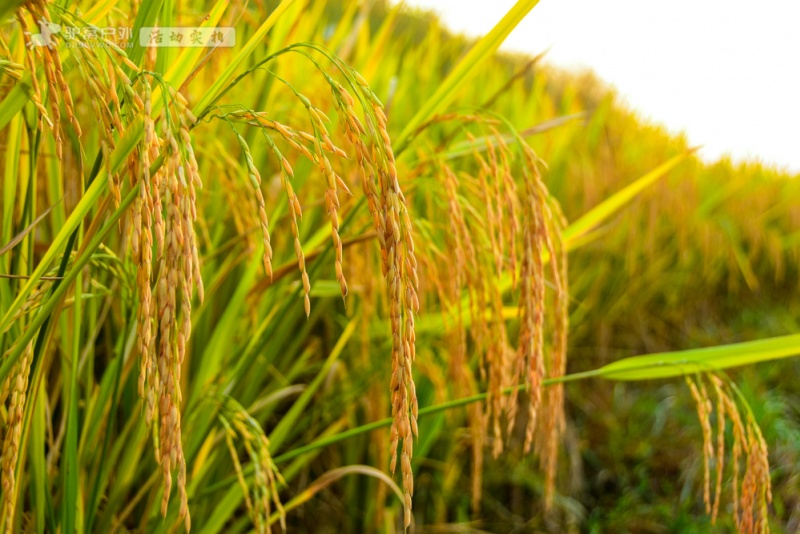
(291, 405)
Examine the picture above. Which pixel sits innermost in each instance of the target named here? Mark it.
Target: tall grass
(225, 287)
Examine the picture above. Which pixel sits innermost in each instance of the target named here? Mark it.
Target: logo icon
(45, 37)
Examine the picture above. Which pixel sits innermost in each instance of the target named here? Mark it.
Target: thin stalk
(382, 423)
(70, 480)
(93, 499)
(430, 410)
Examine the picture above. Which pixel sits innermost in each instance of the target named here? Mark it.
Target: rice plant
(316, 240)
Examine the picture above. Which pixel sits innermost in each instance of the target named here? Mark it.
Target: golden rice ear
(720, 452)
(295, 213)
(18, 388)
(752, 492)
(392, 224)
(255, 180)
(36, 96)
(164, 315)
(703, 402)
(265, 493)
(400, 273)
(503, 241)
(756, 493)
(391, 220)
(519, 235)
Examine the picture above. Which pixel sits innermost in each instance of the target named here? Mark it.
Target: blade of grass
(332, 476)
(38, 464)
(289, 421)
(20, 236)
(123, 349)
(46, 310)
(466, 148)
(214, 355)
(8, 8)
(70, 454)
(166, 55)
(183, 67)
(673, 364)
(11, 174)
(465, 70)
(227, 75)
(614, 203)
(147, 16)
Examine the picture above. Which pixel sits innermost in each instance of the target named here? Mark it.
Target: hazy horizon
(727, 74)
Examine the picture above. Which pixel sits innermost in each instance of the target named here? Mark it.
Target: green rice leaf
(227, 76)
(673, 364)
(465, 70)
(616, 202)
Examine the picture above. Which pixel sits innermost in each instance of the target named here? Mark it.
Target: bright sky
(727, 72)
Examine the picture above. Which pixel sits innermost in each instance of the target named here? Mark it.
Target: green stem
(91, 510)
(430, 410)
(363, 429)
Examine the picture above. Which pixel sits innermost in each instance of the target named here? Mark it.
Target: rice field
(315, 266)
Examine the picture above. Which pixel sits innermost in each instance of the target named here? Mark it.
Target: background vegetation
(280, 400)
